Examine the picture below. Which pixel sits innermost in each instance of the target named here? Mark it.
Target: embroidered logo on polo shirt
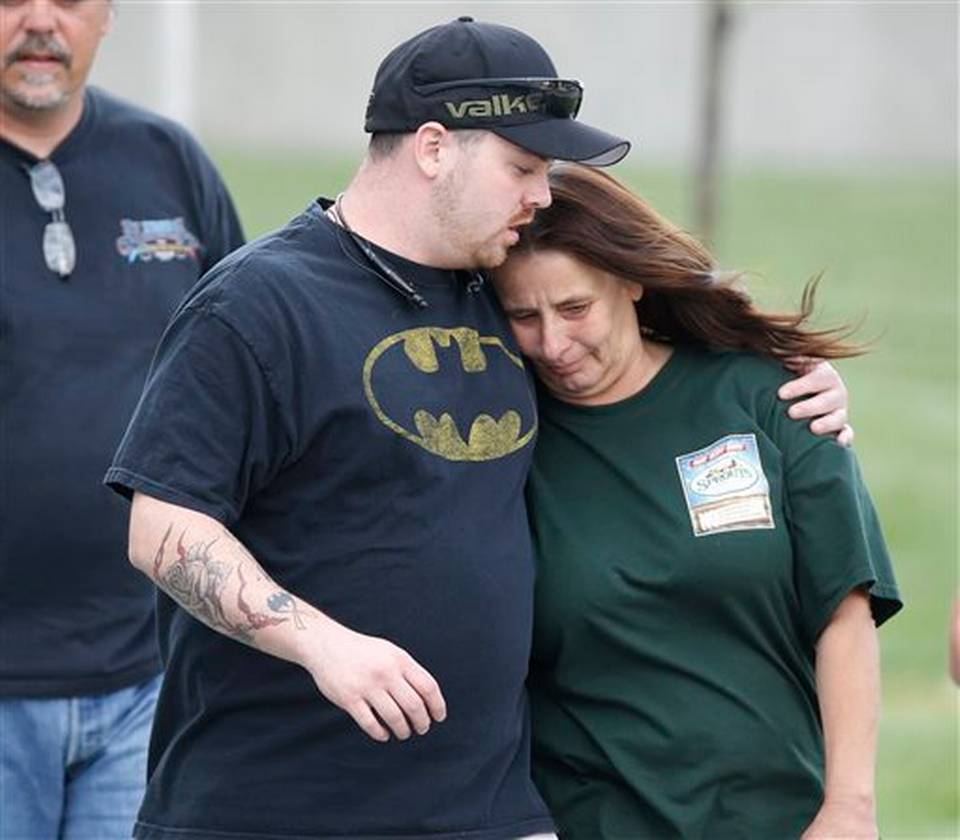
(156, 239)
(725, 487)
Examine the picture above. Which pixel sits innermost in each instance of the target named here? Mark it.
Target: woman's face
(576, 324)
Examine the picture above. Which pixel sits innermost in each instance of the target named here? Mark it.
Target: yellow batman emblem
(492, 433)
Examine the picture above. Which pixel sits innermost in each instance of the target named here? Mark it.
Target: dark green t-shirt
(693, 541)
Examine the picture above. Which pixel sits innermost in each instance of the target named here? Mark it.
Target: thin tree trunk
(707, 175)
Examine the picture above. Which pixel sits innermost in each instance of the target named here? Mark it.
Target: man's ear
(432, 143)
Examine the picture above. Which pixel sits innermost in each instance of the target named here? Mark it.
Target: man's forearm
(212, 576)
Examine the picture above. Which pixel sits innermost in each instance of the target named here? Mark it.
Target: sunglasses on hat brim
(557, 97)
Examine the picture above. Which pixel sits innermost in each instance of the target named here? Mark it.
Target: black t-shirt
(372, 457)
(149, 214)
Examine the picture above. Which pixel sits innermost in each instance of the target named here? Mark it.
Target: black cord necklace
(383, 271)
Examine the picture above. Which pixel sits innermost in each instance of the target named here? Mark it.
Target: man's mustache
(37, 45)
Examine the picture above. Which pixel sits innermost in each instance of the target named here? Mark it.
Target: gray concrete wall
(821, 84)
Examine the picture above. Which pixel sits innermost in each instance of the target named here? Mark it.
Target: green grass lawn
(888, 244)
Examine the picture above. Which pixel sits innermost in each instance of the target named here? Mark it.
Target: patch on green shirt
(725, 487)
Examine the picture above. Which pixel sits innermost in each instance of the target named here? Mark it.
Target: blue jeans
(74, 768)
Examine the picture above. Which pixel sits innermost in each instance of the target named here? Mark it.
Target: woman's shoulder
(740, 383)
(746, 370)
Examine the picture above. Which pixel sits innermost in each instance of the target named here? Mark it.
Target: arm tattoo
(158, 557)
(256, 619)
(197, 581)
(283, 602)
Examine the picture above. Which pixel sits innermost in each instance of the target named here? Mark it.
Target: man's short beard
(21, 98)
(448, 201)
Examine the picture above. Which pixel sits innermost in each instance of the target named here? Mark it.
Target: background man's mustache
(45, 45)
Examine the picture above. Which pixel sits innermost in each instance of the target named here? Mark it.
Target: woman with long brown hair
(711, 573)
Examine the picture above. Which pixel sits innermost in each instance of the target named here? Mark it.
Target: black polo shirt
(149, 215)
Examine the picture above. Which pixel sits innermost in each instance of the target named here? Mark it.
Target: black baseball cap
(468, 74)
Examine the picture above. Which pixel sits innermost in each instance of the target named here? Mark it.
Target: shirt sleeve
(837, 540)
(207, 432)
(222, 232)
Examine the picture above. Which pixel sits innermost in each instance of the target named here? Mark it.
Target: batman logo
(457, 360)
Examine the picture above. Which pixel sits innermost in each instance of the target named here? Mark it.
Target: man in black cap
(327, 465)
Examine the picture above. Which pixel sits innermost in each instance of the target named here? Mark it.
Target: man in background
(108, 215)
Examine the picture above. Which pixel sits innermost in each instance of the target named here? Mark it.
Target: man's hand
(843, 820)
(375, 682)
(828, 400)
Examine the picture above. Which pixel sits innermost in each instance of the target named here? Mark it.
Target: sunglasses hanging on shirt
(59, 249)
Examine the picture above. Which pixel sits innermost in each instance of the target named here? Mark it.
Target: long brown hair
(601, 222)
